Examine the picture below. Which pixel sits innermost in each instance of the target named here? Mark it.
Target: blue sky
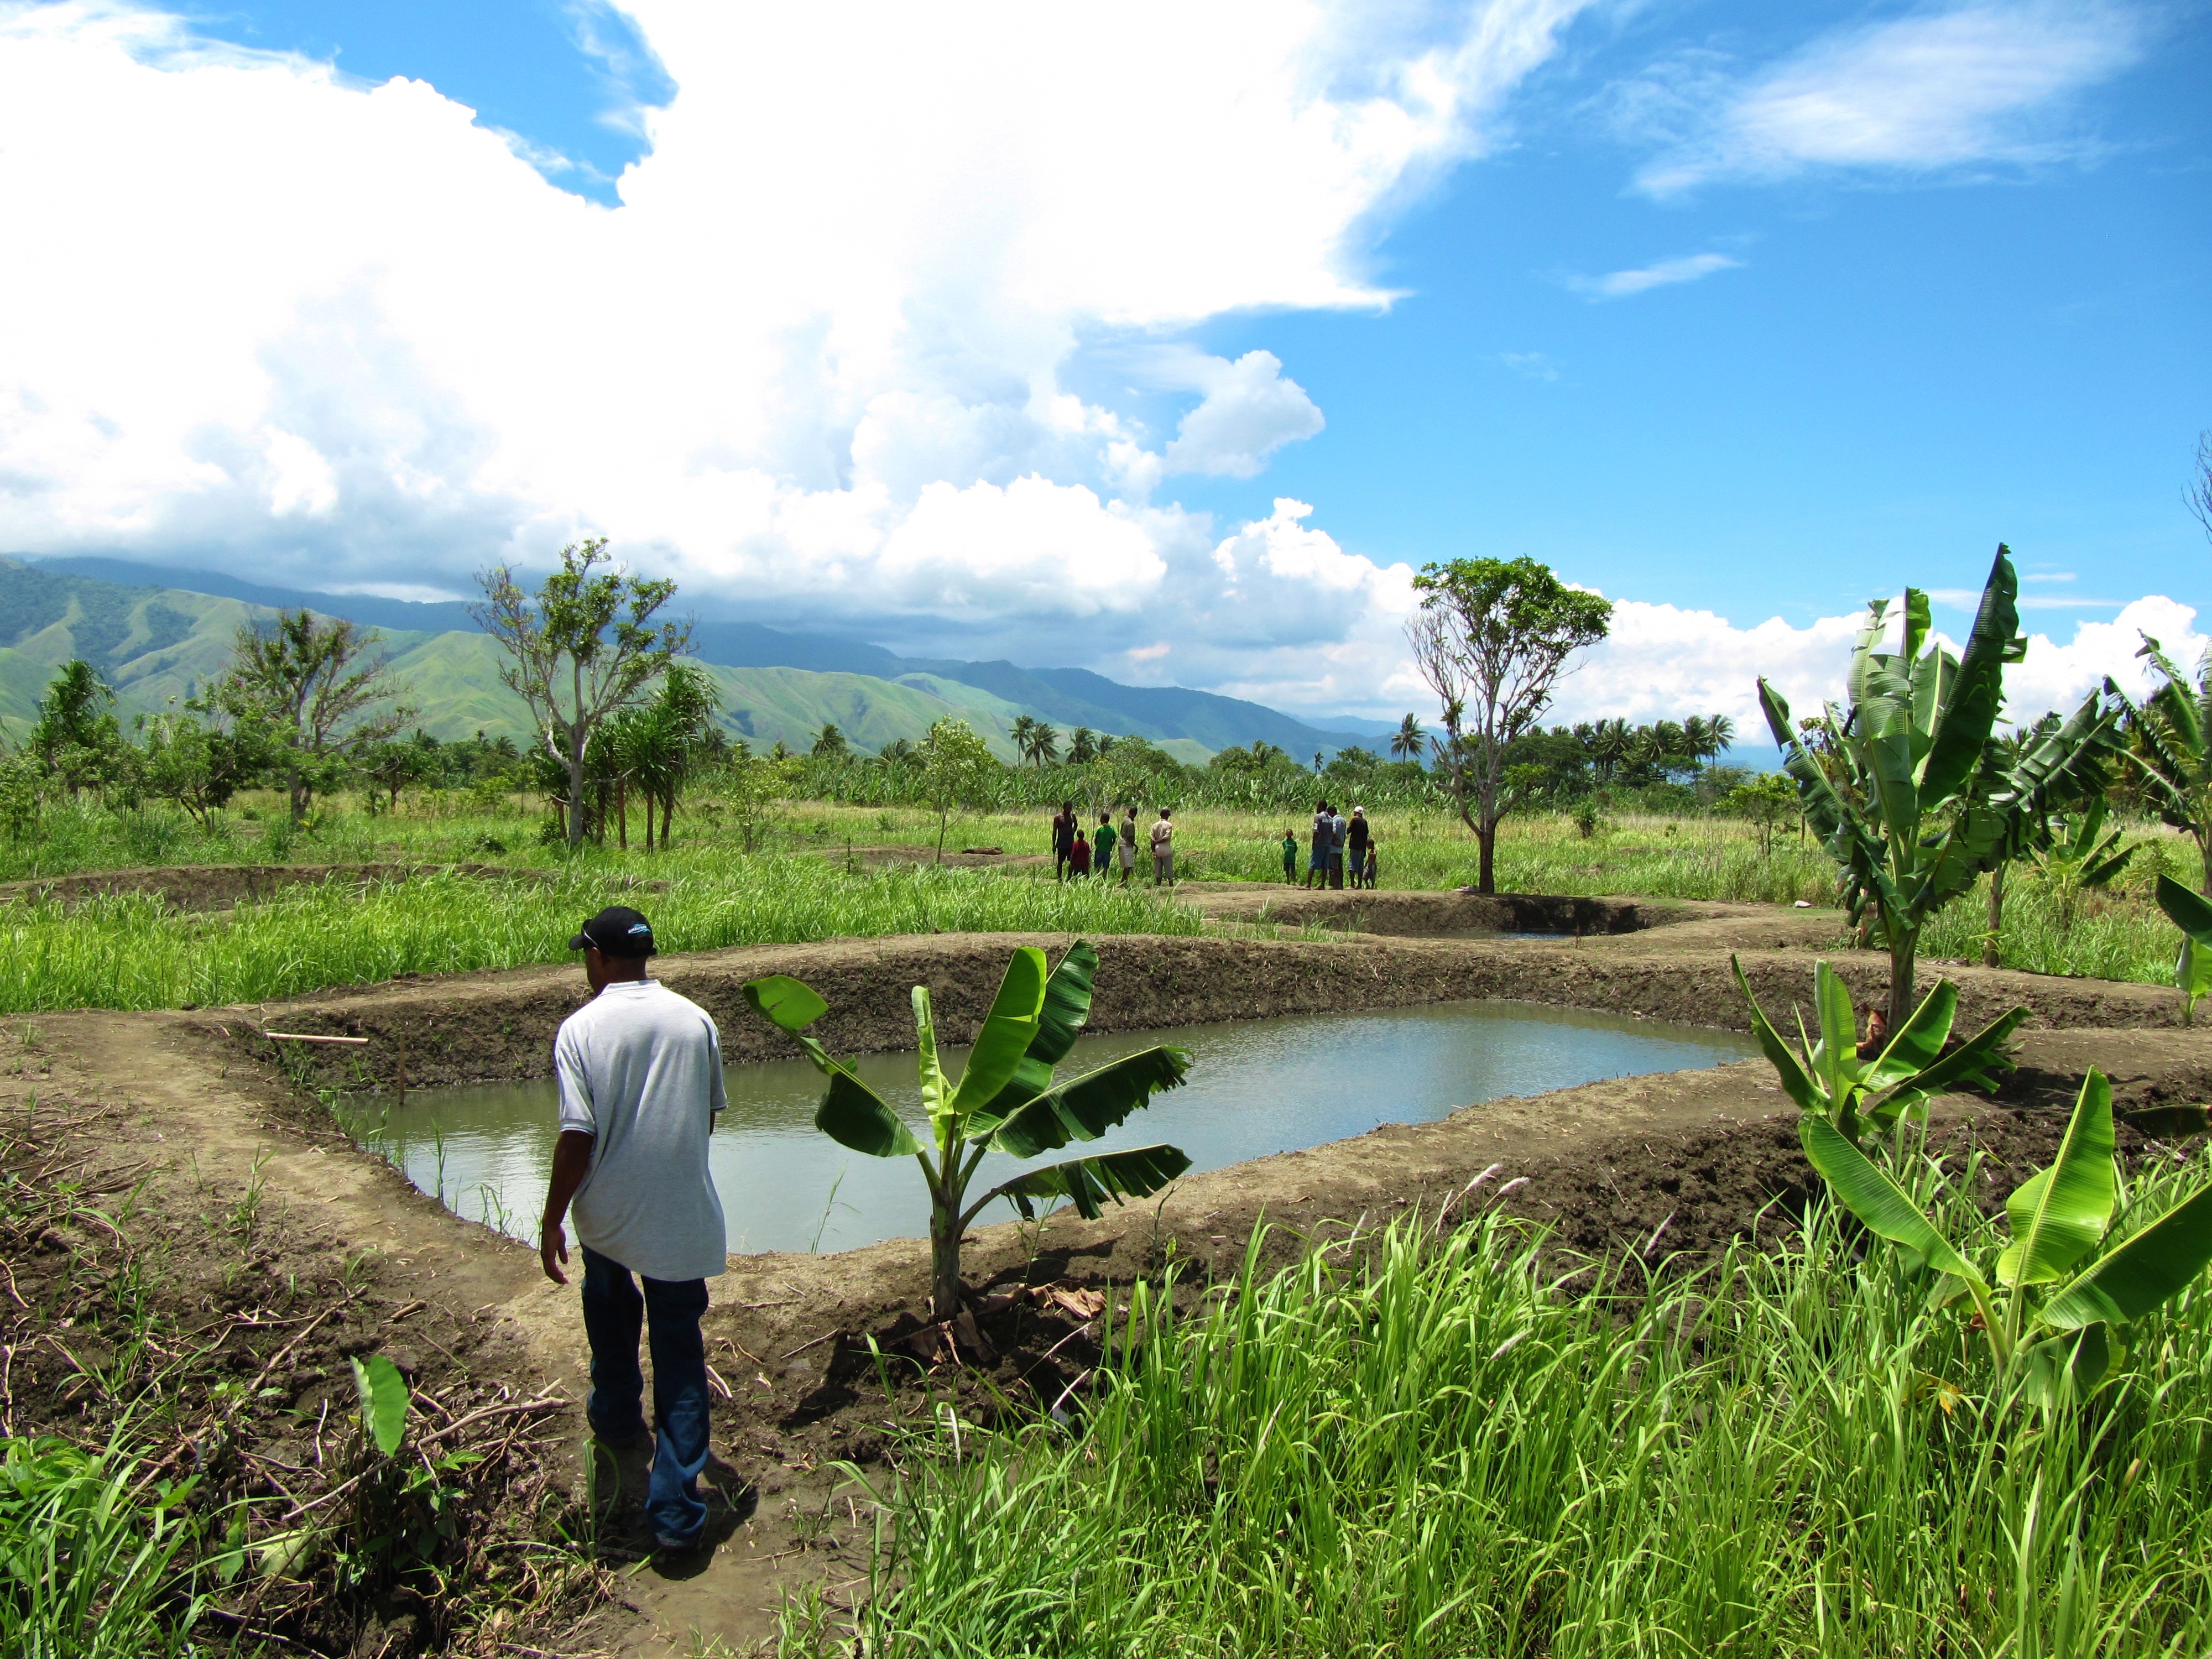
(1154, 341)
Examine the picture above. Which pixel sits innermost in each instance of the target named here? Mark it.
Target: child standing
(1370, 875)
(1078, 856)
(1291, 858)
(1101, 847)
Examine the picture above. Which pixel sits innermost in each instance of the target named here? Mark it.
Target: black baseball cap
(617, 931)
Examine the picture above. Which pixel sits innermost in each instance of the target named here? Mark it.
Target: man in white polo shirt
(641, 1075)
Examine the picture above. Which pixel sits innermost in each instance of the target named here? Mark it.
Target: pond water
(1255, 1087)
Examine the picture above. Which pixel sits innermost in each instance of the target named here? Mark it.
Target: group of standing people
(1077, 856)
(1339, 844)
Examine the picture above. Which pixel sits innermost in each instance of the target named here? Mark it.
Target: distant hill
(436, 645)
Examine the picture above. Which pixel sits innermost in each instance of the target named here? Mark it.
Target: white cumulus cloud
(821, 360)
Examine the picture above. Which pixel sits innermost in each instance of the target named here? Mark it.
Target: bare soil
(1681, 1162)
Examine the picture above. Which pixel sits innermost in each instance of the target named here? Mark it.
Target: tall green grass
(89, 1564)
(2116, 935)
(127, 951)
(1449, 1451)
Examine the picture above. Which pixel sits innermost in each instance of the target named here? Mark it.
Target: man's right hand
(552, 1244)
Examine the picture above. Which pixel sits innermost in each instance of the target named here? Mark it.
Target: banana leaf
(784, 1002)
(1009, 1029)
(1797, 1082)
(2059, 1214)
(1087, 1182)
(853, 1115)
(2189, 912)
(2065, 1369)
(2154, 1265)
(936, 1094)
(1837, 1056)
(1970, 711)
(1864, 1189)
(1085, 1107)
(1918, 1043)
(1969, 1065)
(1067, 1010)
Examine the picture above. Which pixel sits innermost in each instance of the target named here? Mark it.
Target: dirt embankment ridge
(499, 1027)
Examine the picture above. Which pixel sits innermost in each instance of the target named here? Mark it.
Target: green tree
(1492, 638)
(1082, 746)
(829, 743)
(193, 759)
(955, 767)
(1766, 803)
(584, 646)
(1409, 740)
(1909, 798)
(75, 737)
(317, 684)
(1006, 1101)
(393, 765)
(748, 787)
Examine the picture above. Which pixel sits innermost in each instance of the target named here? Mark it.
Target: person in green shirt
(1102, 846)
(1290, 858)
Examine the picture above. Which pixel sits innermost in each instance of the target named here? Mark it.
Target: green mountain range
(154, 642)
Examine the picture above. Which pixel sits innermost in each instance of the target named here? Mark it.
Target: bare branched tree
(2198, 491)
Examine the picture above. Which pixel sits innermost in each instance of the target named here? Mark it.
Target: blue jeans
(613, 1312)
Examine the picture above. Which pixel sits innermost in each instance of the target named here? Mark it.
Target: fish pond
(1255, 1087)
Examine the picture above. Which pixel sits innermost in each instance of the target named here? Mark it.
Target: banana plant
(1006, 1101)
(2192, 969)
(2078, 856)
(2170, 748)
(1832, 1085)
(1919, 809)
(2064, 1290)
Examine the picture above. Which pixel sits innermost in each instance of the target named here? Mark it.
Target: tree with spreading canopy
(585, 646)
(1492, 638)
(323, 689)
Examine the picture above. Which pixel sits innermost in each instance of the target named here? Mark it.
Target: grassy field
(1785, 1453)
(128, 953)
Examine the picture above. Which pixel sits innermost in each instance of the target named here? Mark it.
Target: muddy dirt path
(1682, 1161)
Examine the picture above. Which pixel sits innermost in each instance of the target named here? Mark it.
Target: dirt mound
(1434, 915)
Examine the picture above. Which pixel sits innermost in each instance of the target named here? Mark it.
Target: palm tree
(1044, 745)
(1406, 742)
(1023, 735)
(1609, 746)
(1698, 739)
(829, 743)
(1082, 746)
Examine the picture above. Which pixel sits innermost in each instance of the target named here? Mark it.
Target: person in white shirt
(639, 1071)
(1164, 850)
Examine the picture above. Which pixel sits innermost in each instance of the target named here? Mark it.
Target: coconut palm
(1082, 746)
(1407, 741)
(1021, 734)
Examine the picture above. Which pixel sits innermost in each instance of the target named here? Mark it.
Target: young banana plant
(1006, 1101)
(2065, 1291)
(2192, 969)
(1831, 1083)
